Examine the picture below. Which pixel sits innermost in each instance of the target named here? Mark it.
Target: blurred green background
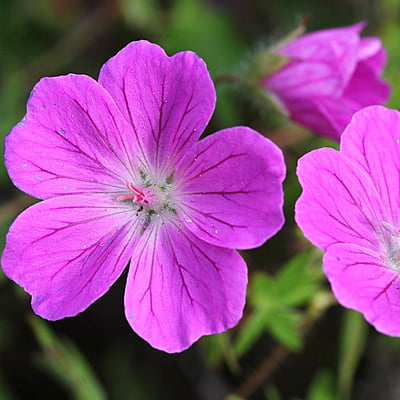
(293, 342)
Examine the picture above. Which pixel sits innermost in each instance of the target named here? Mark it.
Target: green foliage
(390, 34)
(4, 225)
(219, 44)
(128, 380)
(143, 14)
(12, 110)
(353, 340)
(218, 348)
(272, 393)
(322, 386)
(234, 397)
(5, 391)
(275, 301)
(63, 360)
(54, 37)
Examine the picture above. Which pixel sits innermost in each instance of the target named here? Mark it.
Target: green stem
(270, 363)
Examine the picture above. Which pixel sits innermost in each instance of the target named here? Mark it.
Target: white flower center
(391, 238)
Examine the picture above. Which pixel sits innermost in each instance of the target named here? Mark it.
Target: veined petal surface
(180, 288)
(361, 279)
(120, 171)
(73, 140)
(301, 79)
(372, 141)
(352, 198)
(67, 251)
(229, 188)
(326, 115)
(338, 46)
(167, 100)
(339, 203)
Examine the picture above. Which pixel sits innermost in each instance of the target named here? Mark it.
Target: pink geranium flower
(350, 208)
(330, 75)
(124, 178)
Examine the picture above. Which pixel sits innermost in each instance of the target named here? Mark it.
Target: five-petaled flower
(330, 75)
(350, 208)
(124, 178)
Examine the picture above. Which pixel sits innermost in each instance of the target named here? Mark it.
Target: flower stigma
(154, 199)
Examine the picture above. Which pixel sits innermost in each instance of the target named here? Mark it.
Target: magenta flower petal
(365, 88)
(361, 280)
(180, 288)
(168, 100)
(330, 75)
(67, 251)
(73, 140)
(374, 129)
(221, 200)
(337, 47)
(338, 203)
(373, 54)
(350, 208)
(116, 164)
(324, 115)
(323, 79)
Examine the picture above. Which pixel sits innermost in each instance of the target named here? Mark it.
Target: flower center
(392, 244)
(143, 196)
(152, 198)
(138, 195)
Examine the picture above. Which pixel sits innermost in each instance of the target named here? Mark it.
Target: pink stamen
(137, 197)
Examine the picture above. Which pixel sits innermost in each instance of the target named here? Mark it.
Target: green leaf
(283, 325)
(218, 347)
(274, 301)
(126, 377)
(5, 391)
(322, 386)
(261, 290)
(272, 393)
(298, 281)
(251, 331)
(353, 340)
(234, 397)
(65, 362)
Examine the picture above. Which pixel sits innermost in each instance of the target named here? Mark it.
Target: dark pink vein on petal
(354, 202)
(101, 256)
(182, 268)
(175, 151)
(212, 216)
(75, 178)
(104, 138)
(143, 158)
(216, 165)
(76, 223)
(385, 289)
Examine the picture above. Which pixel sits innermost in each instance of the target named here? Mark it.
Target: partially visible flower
(329, 75)
(350, 208)
(124, 178)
